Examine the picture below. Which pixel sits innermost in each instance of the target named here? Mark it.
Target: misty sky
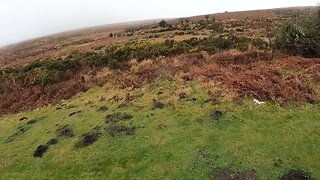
(25, 19)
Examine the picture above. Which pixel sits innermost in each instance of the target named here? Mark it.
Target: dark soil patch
(21, 130)
(297, 175)
(122, 105)
(129, 98)
(192, 99)
(120, 129)
(71, 106)
(216, 115)
(33, 121)
(117, 117)
(186, 77)
(74, 113)
(103, 109)
(223, 174)
(52, 142)
(23, 118)
(183, 95)
(87, 139)
(40, 150)
(228, 174)
(247, 175)
(158, 105)
(65, 131)
(102, 99)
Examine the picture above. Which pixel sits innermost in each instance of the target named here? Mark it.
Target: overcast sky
(25, 19)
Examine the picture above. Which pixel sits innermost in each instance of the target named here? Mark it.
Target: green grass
(246, 137)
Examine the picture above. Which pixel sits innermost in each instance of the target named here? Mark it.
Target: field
(139, 101)
(188, 138)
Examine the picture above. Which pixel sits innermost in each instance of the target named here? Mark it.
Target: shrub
(94, 59)
(129, 30)
(242, 46)
(216, 27)
(44, 80)
(300, 38)
(163, 23)
(222, 42)
(260, 44)
(207, 17)
(179, 33)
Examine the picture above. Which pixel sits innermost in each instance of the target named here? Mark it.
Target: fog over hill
(21, 20)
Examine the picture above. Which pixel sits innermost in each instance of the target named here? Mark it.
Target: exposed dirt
(65, 131)
(114, 130)
(87, 139)
(41, 149)
(52, 142)
(222, 174)
(297, 175)
(103, 109)
(183, 95)
(216, 115)
(20, 131)
(74, 113)
(158, 105)
(117, 117)
(122, 105)
(228, 174)
(23, 118)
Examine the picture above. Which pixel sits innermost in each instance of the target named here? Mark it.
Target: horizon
(72, 19)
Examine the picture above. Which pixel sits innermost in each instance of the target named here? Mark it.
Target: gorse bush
(300, 38)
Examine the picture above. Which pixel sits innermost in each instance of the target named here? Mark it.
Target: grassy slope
(268, 138)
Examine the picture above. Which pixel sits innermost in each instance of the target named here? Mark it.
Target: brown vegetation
(255, 74)
(251, 74)
(227, 74)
